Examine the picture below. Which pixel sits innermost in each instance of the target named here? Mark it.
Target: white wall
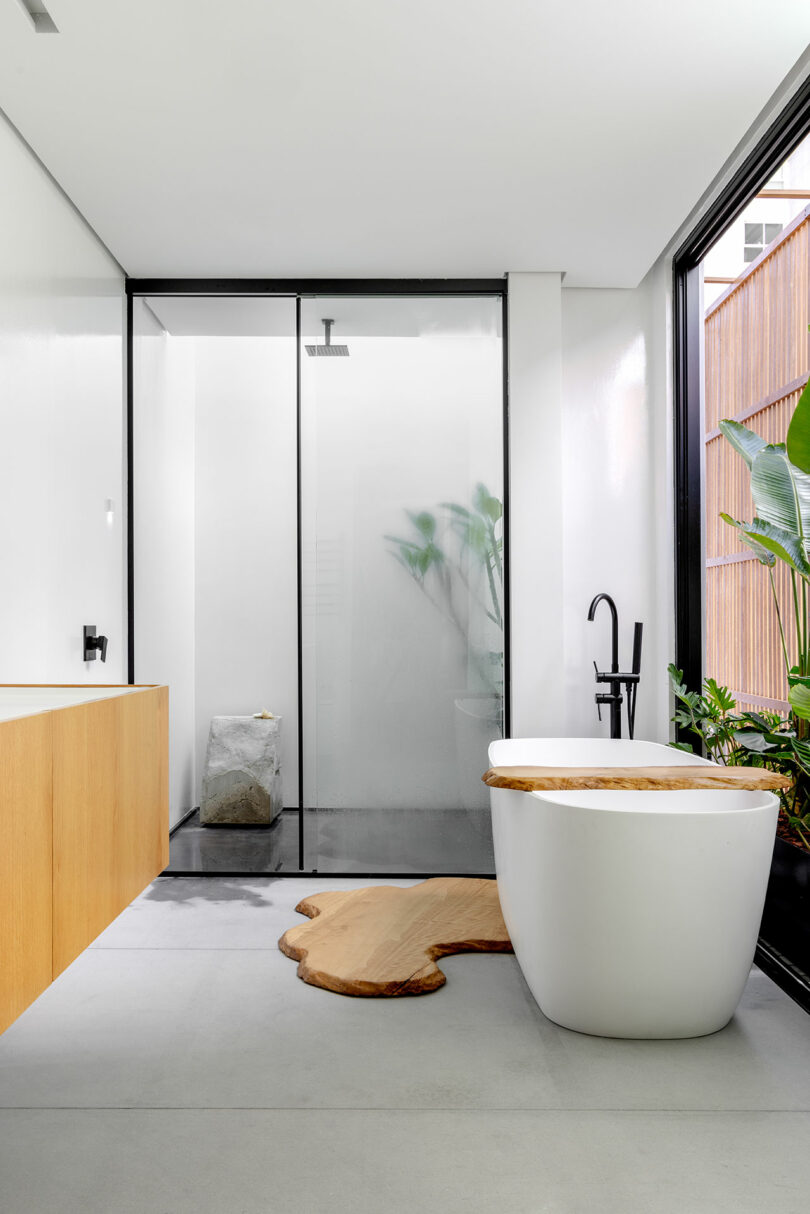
(536, 503)
(616, 513)
(61, 433)
(164, 537)
(591, 495)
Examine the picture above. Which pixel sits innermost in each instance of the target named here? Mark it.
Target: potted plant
(780, 531)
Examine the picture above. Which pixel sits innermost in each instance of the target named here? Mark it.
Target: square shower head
(332, 351)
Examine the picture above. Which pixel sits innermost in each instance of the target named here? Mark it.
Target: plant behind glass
(456, 559)
(746, 739)
(780, 531)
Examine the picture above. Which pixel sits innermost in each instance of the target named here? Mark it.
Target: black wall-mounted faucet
(615, 677)
(93, 644)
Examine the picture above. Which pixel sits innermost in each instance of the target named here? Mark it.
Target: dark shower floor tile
(194, 848)
(391, 841)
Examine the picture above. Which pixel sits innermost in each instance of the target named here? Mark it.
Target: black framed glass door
(403, 579)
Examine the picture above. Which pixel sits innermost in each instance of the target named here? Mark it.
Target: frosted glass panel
(215, 535)
(402, 489)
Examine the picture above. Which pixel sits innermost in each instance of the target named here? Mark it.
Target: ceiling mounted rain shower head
(334, 351)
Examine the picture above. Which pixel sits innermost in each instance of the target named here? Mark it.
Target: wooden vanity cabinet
(84, 820)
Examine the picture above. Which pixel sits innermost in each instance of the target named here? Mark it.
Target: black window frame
(781, 138)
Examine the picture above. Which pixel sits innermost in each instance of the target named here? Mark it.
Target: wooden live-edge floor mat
(385, 940)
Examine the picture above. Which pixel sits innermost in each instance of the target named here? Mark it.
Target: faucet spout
(614, 627)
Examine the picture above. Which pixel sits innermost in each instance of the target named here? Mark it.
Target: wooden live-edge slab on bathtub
(684, 776)
(84, 816)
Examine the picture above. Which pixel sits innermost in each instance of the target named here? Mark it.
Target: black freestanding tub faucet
(615, 677)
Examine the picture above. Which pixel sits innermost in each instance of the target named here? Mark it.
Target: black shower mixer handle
(93, 644)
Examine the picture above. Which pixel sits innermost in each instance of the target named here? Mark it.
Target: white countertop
(18, 702)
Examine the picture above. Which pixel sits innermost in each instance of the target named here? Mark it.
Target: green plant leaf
(762, 553)
(476, 537)
(486, 504)
(721, 697)
(801, 754)
(783, 544)
(798, 435)
(781, 492)
(410, 560)
(675, 676)
(395, 539)
(802, 750)
(785, 740)
(763, 720)
(799, 699)
(425, 523)
(691, 698)
(744, 441)
(752, 739)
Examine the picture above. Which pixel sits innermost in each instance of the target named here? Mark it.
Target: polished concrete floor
(180, 1067)
(341, 841)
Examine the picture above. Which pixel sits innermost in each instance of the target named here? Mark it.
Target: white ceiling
(392, 138)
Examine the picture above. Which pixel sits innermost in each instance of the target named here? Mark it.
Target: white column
(535, 455)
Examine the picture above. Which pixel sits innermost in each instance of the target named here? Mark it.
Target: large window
(741, 311)
(741, 307)
(756, 358)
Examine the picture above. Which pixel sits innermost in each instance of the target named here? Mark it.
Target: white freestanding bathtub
(632, 914)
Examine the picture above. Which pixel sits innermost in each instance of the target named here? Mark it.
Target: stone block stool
(242, 780)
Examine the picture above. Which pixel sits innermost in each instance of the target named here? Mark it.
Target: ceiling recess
(39, 16)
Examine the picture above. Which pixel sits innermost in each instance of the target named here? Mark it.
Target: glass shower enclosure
(343, 515)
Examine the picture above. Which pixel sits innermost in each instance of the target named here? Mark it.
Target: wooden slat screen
(757, 354)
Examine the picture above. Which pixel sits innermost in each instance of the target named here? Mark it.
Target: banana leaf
(799, 699)
(744, 441)
(798, 435)
(781, 492)
(764, 537)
